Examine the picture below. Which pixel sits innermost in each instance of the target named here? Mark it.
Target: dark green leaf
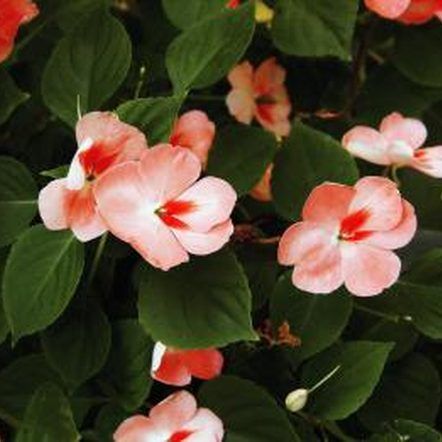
(108, 420)
(41, 274)
(207, 300)
(18, 199)
(307, 159)
(241, 155)
(408, 430)
(248, 413)
(10, 96)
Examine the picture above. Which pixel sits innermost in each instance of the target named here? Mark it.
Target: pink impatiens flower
(260, 94)
(176, 419)
(13, 14)
(176, 367)
(196, 132)
(397, 143)
(347, 236)
(407, 11)
(157, 206)
(69, 203)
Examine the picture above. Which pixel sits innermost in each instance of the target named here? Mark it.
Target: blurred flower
(13, 14)
(347, 236)
(397, 143)
(196, 132)
(158, 207)
(69, 203)
(263, 190)
(263, 13)
(176, 367)
(260, 94)
(407, 11)
(175, 419)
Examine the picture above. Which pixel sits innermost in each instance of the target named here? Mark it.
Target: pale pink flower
(13, 14)
(347, 236)
(176, 419)
(260, 94)
(407, 11)
(176, 367)
(158, 207)
(69, 203)
(397, 143)
(196, 132)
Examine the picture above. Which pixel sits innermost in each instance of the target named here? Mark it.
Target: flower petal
(204, 243)
(269, 77)
(241, 77)
(263, 189)
(368, 270)
(137, 429)
(328, 204)
(52, 205)
(203, 364)
(380, 199)
(172, 370)
(205, 427)
(419, 11)
(275, 117)
(388, 8)
(213, 200)
(241, 105)
(368, 144)
(428, 161)
(195, 131)
(401, 235)
(412, 132)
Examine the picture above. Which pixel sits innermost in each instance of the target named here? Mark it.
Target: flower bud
(296, 400)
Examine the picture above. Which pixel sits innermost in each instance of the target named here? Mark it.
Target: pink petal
(429, 161)
(275, 117)
(124, 204)
(304, 242)
(213, 200)
(137, 429)
(420, 11)
(401, 235)
(204, 243)
(174, 412)
(263, 190)
(241, 77)
(388, 8)
(241, 105)
(410, 131)
(328, 204)
(204, 364)
(172, 370)
(167, 171)
(269, 77)
(368, 144)
(379, 198)
(195, 131)
(52, 205)
(368, 270)
(321, 272)
(205, 427)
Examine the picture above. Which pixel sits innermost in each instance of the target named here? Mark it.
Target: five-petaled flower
(260, 94)
(176, 367)
(347, 236)
(69, 203)
(397, 143)
(157, 206)
(176, 419)
(13, 13)
(410, 12)
(196, 132)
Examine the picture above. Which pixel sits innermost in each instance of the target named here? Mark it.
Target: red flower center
(351, 225)
(97, 159)
(171, 211)
(180, 436)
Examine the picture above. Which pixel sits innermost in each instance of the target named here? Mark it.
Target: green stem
(96, 260)
(395, 176)
(392, 318)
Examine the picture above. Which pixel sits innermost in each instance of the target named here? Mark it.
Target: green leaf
(48, 418)
(4, 327)
(86, 332)
(316, 28)
(405, 430)
(18, 199)
(41, 274)
(361, 365)
(127, 369)
(10, 96)
(248, 413)
(154, 116)
(241, 155)
(409, 389)
(318, 320)
(204, 53)
(423, 44)
(108, 420)
(193, 12)
(307, 159)
(207, 300)
(19, 380)
(74, 11)
(90, 63)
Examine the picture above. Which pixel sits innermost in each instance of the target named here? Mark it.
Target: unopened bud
(296, 400)
(263, 14)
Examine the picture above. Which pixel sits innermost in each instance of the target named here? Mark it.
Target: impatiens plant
(220, 221)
